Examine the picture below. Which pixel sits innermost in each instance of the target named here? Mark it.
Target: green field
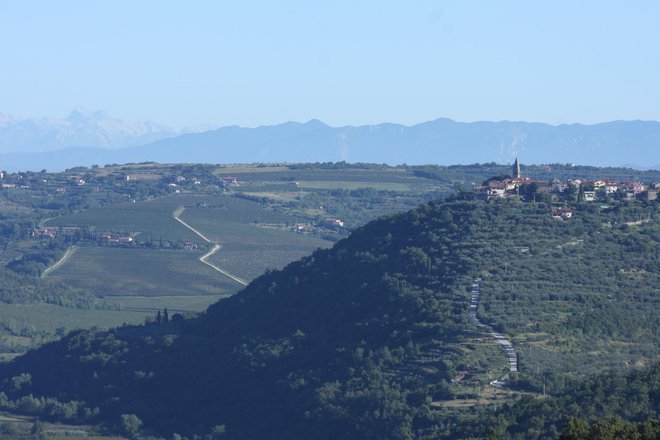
(284, 175)
(139, 218)
(193, 303)
(249, 260)
(223, 209)
(248, 250)
(107, 271)
(153, 218)
(325, 184)
(50, 317)
(224, 171)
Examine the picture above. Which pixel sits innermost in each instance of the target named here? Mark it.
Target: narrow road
(59, 262)
(504, 342)
(178, 213)
(216, 248)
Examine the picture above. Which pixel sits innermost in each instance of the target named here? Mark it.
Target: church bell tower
(516, 169)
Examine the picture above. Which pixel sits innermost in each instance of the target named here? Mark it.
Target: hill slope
(359, 341)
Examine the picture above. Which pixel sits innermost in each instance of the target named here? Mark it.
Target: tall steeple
(516, 169)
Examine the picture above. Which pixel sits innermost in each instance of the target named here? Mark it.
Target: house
(229, 181)
(599, 184)
(496, 192)
(589, 196)
(558, 186)
(333, 222)
(634, 187)
(494, 189)
(610, 188)
(44, 233)
(561, 213)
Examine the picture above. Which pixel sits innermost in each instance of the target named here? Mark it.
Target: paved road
(503, 341)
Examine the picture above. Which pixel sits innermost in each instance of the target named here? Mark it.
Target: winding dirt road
(59, 262)
(504, 342)
(216, 247)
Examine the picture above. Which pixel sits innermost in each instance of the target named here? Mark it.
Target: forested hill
(372, 338)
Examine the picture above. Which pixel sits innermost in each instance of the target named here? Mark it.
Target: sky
(355, 62)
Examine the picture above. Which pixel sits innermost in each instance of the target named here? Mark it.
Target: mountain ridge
(442, 141)
(82, 127)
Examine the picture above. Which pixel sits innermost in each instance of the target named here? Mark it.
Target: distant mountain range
(91, 137)
(83, 127)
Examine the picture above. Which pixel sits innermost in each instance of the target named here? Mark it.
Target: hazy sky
(344, 62)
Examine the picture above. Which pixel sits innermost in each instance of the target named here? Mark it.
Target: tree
(575, 429)
(130, 424)
(37, 428)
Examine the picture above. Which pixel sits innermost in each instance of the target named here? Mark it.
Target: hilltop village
(569, 190)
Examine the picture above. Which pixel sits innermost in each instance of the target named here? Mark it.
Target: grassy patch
(248, 250)
(48, 317)
(137, 272)
(223, 171)
(387, 186)
(193, 303)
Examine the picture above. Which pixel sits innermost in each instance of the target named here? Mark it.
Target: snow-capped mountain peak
(82, 127)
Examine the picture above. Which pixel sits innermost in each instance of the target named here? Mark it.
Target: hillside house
(189, 246)
(634, 187)
(558, 186)
(229, 181)
(494, 189)
(610, 188)
(333, 222)
(589, 196)
(561, 213)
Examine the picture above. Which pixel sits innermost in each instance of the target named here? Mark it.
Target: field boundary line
(59, 262)
(216, 248)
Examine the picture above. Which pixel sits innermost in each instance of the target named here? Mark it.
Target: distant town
(569, 190)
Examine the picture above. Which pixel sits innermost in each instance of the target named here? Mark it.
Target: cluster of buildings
(108, 238)
(54, 232)
(587, 190)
